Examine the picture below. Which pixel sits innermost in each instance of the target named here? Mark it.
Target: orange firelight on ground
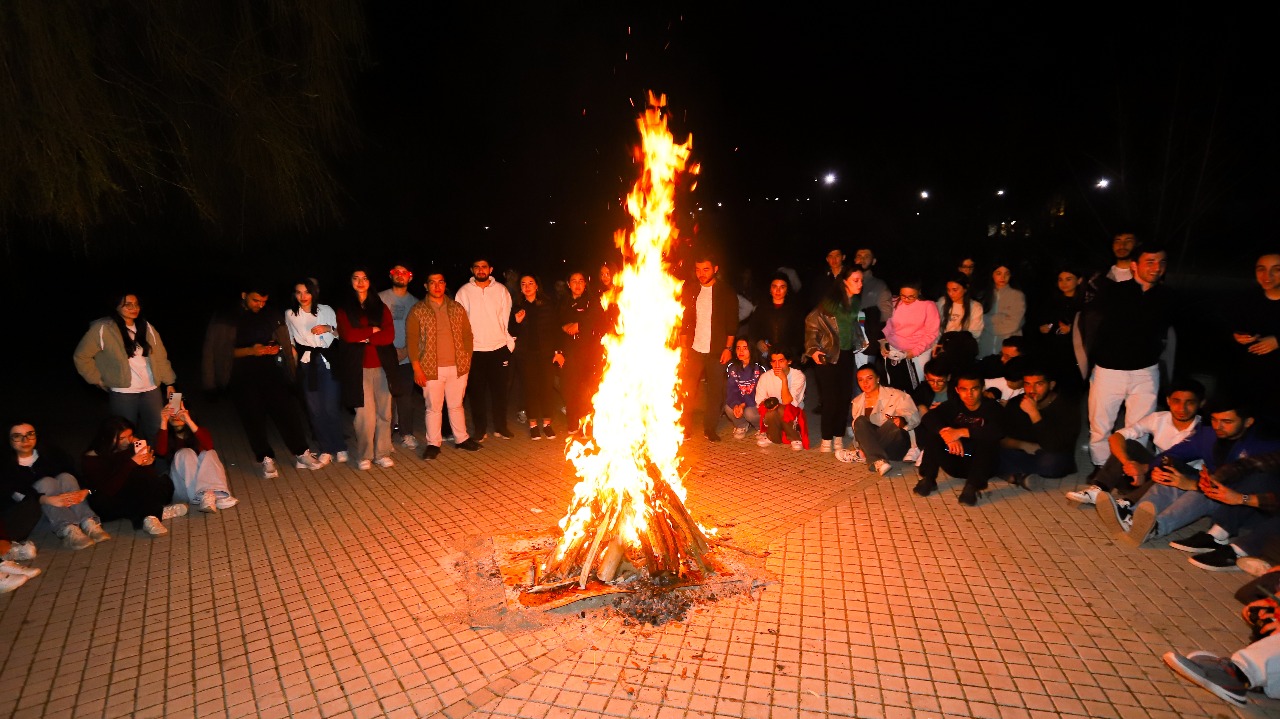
(628, 461)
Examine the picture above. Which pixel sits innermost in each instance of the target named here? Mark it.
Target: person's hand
(1245, 339)
(950, 434)
(419, 377)
(737, 411)
(264, 350)
(1029, 447)
(819, 357)
(955, 448)
(520, 316)
(781, 373)
(558, 360)
(376, 330)
(1044, 329)
(1264, 346)
(726, 354)
(1217, 491)
(898, 422)
(1172, 478)
(1028, 406)
(1134, 469)
(144, 458)
(884, 351)
(184, 415)
(910, 354)
(66, 499)
(166, 414)
(1064, 328)
(321, 329)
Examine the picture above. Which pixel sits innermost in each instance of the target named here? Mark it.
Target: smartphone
(175, 402)
(139, 446)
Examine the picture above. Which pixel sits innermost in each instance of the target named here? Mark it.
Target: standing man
(876, 303)
(835, 265)
(488, 305)
(400, 301)
(439, 341)
(710, 323)
(247, 350)
(1135, 317)
(1255, 334)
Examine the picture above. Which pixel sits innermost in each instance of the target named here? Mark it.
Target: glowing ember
(630, 500)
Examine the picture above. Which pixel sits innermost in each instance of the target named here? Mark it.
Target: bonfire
(629, 505)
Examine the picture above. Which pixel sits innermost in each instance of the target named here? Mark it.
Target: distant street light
(924, 194)
(1000, 193)
(1103, 184)
(830, 179)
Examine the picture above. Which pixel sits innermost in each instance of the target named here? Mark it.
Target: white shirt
(770, 385)
(890, 402)
(702, 328)
(1159, 427)
(489, 309)
(1115, 274)
(300, 325)
(140, 377)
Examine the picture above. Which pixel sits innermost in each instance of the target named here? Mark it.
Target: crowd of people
(978, 382)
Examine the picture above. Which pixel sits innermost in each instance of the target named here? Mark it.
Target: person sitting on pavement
(1126, 469)
(882, 419)
(1008, 386)
(933, 390)
(194, 465)
(742, 376)
(44, 483)
(125, 483)
(780, 398)
(1040, 429)
(961, 436)
(1175, 499)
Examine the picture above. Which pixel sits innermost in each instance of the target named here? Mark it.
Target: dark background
(509, 131)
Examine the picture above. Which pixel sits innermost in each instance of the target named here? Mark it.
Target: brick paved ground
(333, 594)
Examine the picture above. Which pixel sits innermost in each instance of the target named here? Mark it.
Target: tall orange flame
(628, 463)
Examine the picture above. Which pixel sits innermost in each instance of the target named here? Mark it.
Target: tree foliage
(129, 110)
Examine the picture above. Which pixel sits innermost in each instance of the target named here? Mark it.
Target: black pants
(886, 441)
(260, 396)
(579, 379)
(976, 466)
(835, 389)
(535, 382)
(487, 389)
(17, 519)
(408, 406)
(1112, 476)
(698, 365)
(144, 494)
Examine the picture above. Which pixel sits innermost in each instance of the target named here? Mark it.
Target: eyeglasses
(908, 298)
(19, 436)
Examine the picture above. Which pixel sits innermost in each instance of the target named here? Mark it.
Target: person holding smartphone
(194, 465)
(831, 339)
(120, 471)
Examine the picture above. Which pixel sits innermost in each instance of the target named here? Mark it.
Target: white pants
(1136, 389)
(1258, 660)
(447, 389)
(373, 420)
(194, 474)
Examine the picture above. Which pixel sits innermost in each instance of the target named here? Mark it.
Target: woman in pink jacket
(909, 337)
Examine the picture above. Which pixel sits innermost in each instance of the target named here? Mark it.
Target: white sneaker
(74, 538)
(913, 456)
(325, 459)
(847, 456)
(739, 432)
(364, 465)
(226, 502)
(825, 446)
(94, 529)
(307, 460)
(763, 441)
(152, 526)
(883, 467)
(17, 570)
(409, 441)
(10, 582)
(208, 503)
(20, 552)
(174, 510)
(385, 462)
(1088, 495)
(1255, 566)
(269, 468)
(341, 457)
(797, 444)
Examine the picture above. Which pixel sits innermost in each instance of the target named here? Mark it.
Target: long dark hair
(836, 296)
(11, 454)
(104, 441)
(368, 314)
(313, 287)
(539, 297)
(139, 339)
(961, 279)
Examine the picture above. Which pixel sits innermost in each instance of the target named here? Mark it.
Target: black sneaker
(712, 436)
(925, 487)
(1198, 543)
(548, 432)
(1217, 674)
(430, 451)
(470, 445)
(969, 496)
(534, 434)
(1222, 559)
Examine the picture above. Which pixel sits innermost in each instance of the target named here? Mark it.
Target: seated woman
(194, 466)
(740, 389)
(121, 471)
(909, 337)
(47, 486)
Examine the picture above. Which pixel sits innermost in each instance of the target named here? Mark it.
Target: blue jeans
(1051, 465)
(140, 408)
(324, 408)
(750, 417)
(1176, 508)
(60, 517)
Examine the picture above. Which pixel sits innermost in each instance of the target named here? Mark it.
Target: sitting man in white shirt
(1126, 469)
(780, 398)
(882, 419)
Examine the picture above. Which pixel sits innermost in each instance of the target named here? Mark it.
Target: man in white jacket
(488, 305)
(882, 419)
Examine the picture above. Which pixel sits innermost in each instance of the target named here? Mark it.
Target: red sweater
(204, 442)
(385, 336)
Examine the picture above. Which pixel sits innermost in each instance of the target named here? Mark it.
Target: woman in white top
(959, 311)
(123, 355)
(313, 327)
(1006, 311)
